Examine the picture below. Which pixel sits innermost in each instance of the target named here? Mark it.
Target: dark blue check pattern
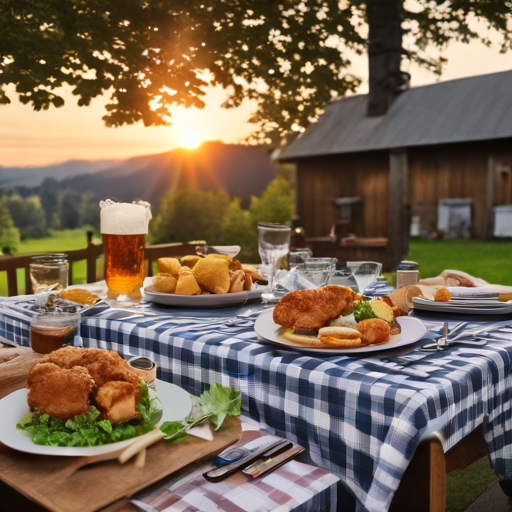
(360, 418)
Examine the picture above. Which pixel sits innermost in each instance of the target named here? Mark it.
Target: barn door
(499, 187)
(502, 182)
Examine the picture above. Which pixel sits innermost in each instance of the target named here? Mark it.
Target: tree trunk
(384, 53)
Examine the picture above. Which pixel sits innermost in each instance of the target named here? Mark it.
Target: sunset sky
(72, 132)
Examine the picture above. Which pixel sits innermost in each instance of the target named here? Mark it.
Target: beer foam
(124, 218)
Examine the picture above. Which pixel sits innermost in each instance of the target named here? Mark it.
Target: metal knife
(216, 475)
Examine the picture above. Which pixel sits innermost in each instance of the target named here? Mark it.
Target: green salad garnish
(213, 405)
(363, 311)
(88, 430)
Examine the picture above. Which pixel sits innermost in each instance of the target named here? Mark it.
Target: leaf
(219, 402)
(170, 428)
(106, 425)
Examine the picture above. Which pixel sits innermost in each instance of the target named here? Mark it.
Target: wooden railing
(90, 254)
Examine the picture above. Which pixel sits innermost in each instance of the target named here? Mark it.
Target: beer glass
(124, 228)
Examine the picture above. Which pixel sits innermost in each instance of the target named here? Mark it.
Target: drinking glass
(365, 272)
(273, 246)
(49, 272)
(298, 256)
(314, 273)
(50, 331)
(124, 228)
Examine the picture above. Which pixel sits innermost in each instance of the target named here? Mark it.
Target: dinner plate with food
(335, 320)
(466, 301)
(86, 402)
(197, 281)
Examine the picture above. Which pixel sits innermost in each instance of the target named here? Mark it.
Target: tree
(290, 56)
(28, 215)
(70, 204)
(9, 235)
(193, 214)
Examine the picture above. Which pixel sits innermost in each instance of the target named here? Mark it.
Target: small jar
(407, 277)
(146, 368)
(53, 330)
(49, 272)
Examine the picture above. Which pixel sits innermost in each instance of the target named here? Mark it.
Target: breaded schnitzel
(66, 382)
(310, 310)
(59, 392)
(118, 400)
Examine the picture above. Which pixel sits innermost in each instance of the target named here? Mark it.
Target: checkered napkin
(360, 418)
(293, 487)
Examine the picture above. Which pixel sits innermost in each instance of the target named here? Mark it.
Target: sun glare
(190, 140)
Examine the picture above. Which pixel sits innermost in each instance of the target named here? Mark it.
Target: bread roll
(164, 283)
(213, 275)
(187, 284)
(168, 266)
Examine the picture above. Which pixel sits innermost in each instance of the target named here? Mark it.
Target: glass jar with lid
(49, 272)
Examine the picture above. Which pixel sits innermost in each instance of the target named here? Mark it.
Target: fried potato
(213, 274)
(164, 283)
(187, 284)
(237, 282)
(168, 266)
(374, 331)
(190, 261)
(80, 296)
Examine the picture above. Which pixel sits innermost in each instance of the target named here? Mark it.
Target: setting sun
(190, 140)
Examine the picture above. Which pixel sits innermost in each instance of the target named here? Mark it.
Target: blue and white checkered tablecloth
(359, 417)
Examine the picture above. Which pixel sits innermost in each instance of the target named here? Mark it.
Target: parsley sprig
(214, 405)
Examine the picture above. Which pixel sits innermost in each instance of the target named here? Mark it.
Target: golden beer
(124, 228)
(124, 264)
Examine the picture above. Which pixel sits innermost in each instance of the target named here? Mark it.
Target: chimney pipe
(384, 53)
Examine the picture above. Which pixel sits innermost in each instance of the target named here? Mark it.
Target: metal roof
(463, 110)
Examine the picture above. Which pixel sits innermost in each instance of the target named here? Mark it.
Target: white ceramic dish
(468, 308)
(175, 401)
(200, 301)
(413, 330)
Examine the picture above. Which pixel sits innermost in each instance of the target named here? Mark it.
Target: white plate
(200, 301)
(175, 401)
(499, 308)
(413, 330)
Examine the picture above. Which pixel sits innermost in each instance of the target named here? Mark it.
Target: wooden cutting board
(40, 478)
(45, 480)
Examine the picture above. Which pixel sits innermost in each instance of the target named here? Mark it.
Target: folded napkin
(288, 487)
(456, 278)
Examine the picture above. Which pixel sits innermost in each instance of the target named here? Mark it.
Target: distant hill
(34, 176)
(235, 169)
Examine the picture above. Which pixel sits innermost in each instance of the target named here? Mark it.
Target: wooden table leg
(423, 486)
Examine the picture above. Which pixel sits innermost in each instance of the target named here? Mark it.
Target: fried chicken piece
(118, 400)
(310, 310)
(374, 330)
(63, 393)
(66, 357)
(107, 365)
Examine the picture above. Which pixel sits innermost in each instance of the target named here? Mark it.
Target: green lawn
(491, 261)
(59, 241)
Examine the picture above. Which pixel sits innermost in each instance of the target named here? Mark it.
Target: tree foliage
(28, 215)
(9, 235)
(151, 56)
(193, 214)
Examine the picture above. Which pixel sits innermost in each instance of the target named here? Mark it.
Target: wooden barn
(437, 150)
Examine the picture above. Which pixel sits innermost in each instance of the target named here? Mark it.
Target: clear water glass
(273, 246)
(314, 273)
(298, 256)
(49, 272)
(365, 273)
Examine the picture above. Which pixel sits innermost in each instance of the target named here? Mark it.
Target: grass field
(491, 261)
(59, 241)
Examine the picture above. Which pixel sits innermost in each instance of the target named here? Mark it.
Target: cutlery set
(447, 339)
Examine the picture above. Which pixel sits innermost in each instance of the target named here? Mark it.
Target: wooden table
(424, 482)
